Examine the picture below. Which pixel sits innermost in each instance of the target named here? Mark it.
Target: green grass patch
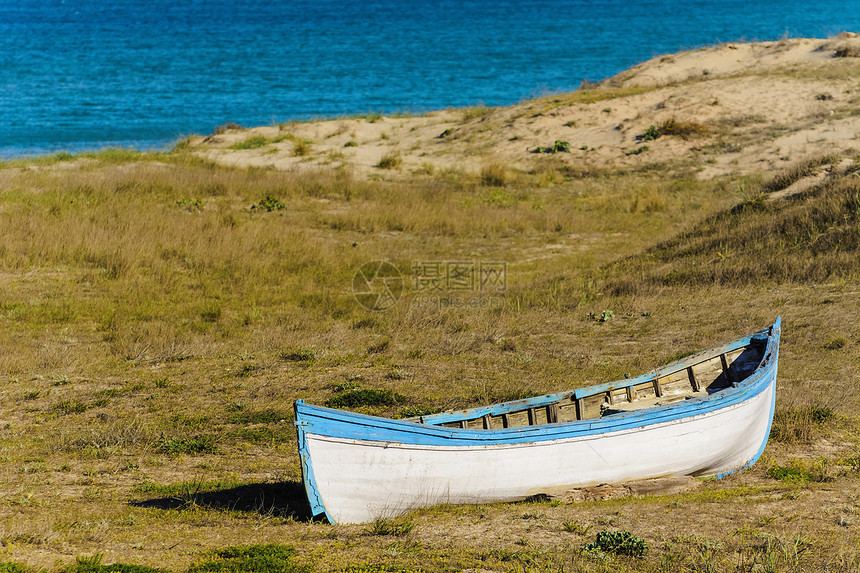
(264, 416)
(251, 559)
(397, 527)
(72, 407)
(13, 567)
(798, 425)
(366, 397)
(93, 564)
(265, 435)
(800, 471)
(253, 142)
(201, 444)
(299, 355)
(415, 411)
(183, 489)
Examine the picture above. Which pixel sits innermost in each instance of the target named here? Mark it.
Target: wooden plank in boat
(694, 382)
(675, 383)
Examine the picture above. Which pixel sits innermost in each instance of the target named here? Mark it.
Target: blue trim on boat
(314, 499)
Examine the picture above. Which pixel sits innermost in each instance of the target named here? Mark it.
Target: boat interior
(697, 376)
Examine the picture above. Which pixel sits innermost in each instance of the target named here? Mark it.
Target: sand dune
(731, 108)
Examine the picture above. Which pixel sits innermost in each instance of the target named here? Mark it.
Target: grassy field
(159, 315)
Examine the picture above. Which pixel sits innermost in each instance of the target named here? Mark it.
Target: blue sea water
(85, 74)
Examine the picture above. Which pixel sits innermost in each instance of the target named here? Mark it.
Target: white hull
(361, 480)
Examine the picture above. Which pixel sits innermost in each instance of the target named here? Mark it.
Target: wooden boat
(706, 414)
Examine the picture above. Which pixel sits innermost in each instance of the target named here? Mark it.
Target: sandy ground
(741, 107)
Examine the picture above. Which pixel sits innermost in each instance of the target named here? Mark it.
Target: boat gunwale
(587, 391)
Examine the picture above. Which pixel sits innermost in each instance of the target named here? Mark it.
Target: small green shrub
(368, 397)
(638, 150)
(269, 204)
(190, 204)
(651, 134)
(619, 543)
(351, 144)
(560, 146)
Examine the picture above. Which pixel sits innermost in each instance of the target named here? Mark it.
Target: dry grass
(156, 329)
(808, 237)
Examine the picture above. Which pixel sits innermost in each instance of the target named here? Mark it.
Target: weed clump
(395, 527)
(494, 175)
(619, 543)
(683, 129)
(390, 161)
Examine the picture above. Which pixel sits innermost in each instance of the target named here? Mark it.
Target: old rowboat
(706, 414)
